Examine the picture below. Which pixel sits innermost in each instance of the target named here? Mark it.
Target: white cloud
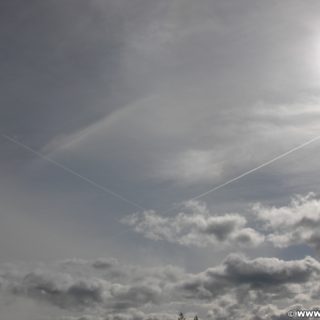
(284, 226)
(199, 228)
(296, 223)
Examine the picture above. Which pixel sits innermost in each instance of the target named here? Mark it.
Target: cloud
(237, 287)
(129, 296)
(60, 289)
(134, 314)
(254, 289)
(296, 223)
(92, 287)
(236, 272)
(181, 97)
(269, 271)
(105, 263)
(198, 227)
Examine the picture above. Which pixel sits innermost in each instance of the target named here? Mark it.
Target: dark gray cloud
(104, 263)
(270, 271)
(60, 290)
(267, 274)
(80, 287)
(250, 288)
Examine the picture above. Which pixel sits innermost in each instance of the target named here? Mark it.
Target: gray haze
(158, 101)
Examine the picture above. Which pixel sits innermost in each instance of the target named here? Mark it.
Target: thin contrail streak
(265, 164)
(75, 173)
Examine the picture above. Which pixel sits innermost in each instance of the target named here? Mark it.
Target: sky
(157, 157)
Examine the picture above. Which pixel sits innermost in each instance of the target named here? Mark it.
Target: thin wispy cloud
(74, 173)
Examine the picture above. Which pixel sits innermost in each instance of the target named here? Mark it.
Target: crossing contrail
(244, 174)
(72, 172)
(108, 191)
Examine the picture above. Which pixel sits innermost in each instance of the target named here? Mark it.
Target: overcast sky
(117, 117)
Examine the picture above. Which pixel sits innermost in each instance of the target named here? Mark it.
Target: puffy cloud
(269, 271)
(103, 289)
(267, 274)
(239, 287)
(296, 223)
(139, 315)
(198, 228)
(283, 226)
(62, 290)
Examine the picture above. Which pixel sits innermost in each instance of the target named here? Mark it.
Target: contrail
(265, 164)
(75, 173)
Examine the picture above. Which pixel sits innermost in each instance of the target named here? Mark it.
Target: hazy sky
(114, 114)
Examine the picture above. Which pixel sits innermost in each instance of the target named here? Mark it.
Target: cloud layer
(102, 290)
